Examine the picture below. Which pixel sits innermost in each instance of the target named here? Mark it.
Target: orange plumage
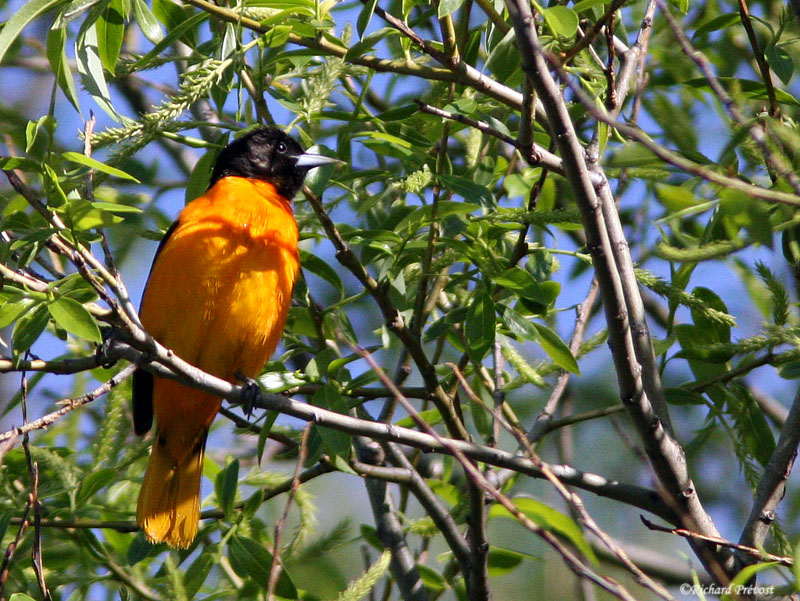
(218, 295)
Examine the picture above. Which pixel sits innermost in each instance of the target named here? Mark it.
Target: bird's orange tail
(169, 500)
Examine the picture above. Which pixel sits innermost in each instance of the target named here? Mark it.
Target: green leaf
(431, 417)
(147, 22)
(556, 349)
(196, 574)
(676, 198)
(681, 5)
(335, 442)
(518, 325)
(74, 318)
(11, 310)
(365, 16)
(780, 62)
(76, 287)
(479, 326)
(113, 207)
(110, 32)
(276, 36)
(755, 90)
(201, 175)
(448, 7)
(504, 561)
(179, 32)
(388, 145)
(264, 433)
(703, 363)
(713, 330)
(526, 286)
(94, 481)
(744, 577)
(370, 534)
(368, 42)
(432, 580)
(20, 597)
(424, 215)
(717, 23)
(549, 519)
(57, 57)
(90, 69)
(562, 21)
(5, 520)
(322, 269)
(633, 154)
(225, 485)
(504, 60)
(171, 16)
(21, 163)
(467, 189)
(787, 371)
(681, 396)
(83, 216)
(29, 327)
(21, 18)
(796, 567)
(82, 159)
(249, 559)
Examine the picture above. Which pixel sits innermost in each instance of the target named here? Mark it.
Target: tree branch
(666, 456)
(772, 486)
(390, 531)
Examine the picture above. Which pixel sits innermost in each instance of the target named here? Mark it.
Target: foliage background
(435, 209)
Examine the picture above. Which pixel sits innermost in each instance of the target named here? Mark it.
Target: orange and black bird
(218, 294)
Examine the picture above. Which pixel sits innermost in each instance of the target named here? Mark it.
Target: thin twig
(533, 154)
(632, 495)
(759, 554)
(761, 61)
(275, 568)
(33, 495)
(70, 405)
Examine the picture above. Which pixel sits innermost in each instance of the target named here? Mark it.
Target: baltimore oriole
(218, 294)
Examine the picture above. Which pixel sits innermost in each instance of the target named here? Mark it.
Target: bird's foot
(251, 393)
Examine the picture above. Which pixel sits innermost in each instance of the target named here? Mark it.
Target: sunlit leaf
(74, 318)
(550, 519)
(556, 349)
(21, 18)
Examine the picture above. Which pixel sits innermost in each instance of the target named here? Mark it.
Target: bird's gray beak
(309, 161)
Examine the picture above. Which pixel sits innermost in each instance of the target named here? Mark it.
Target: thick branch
(390, 531)
(773, 484)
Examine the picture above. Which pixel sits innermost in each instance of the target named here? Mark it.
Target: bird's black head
(270, 155)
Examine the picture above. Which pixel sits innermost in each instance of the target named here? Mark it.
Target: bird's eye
(281, 147)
